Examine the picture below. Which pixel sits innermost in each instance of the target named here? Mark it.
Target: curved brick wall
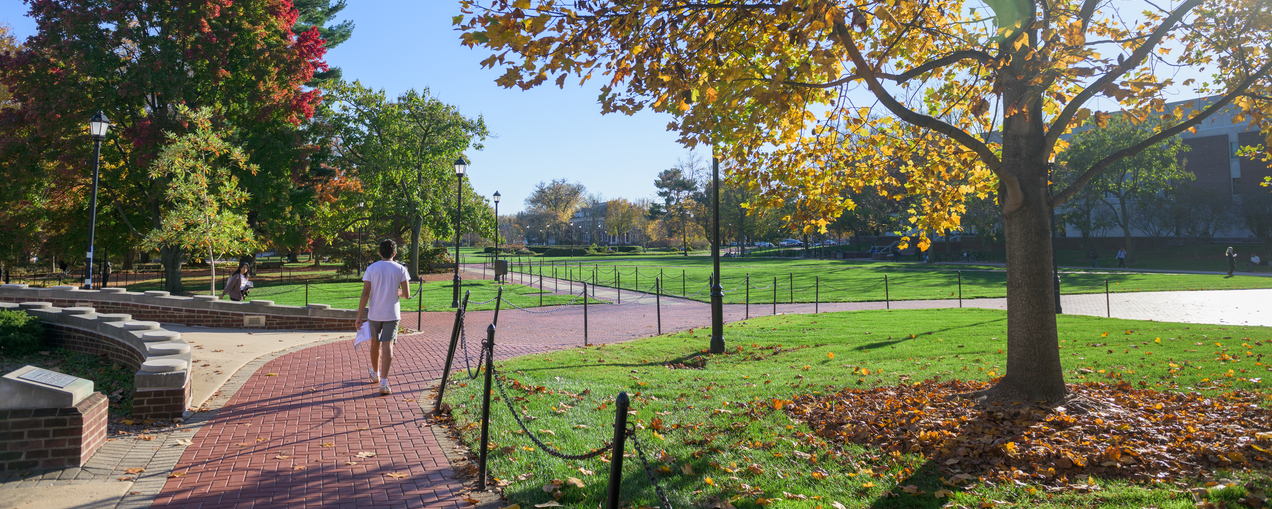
(158, 394)
(200, 310)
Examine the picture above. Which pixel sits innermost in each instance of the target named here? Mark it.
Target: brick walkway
(291, 434)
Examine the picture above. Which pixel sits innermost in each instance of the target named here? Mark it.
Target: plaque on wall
(47, 377)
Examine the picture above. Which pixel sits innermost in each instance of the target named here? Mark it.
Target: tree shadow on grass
(881, 344)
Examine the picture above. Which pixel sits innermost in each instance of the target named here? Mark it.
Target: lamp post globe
(97, 129)
(497, 277)
(461, 166)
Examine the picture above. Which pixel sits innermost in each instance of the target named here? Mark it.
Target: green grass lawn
(707, 423)
(846, 280)
(436, 296)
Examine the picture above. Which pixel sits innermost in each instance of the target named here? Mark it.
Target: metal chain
(640, 453)
(542, 446)
(492, 299)
(559, 307)
(463, 340)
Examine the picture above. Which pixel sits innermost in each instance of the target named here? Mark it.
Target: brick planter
(52, 437)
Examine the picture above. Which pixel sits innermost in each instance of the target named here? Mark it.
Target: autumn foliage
(1144, 435)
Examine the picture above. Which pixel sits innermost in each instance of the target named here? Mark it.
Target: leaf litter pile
(1139, 435)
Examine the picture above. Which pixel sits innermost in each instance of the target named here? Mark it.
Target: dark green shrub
(20, 333)
(629, 249)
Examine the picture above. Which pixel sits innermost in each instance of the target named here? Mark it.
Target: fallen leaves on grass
(1139, 435)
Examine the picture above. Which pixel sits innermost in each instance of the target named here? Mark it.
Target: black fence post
(887, 299)
(419, 305)
(584, 314)
(618, 284)
(791, 281)
(1108, 308)
(306, 292)
(616, 455)
(450, 352)
(658, 302)
(498, 304)
(556, 281)
(774, 295)
(960, 289)
(816, 294)
(748, 296)
(485, 406)
(638, 278)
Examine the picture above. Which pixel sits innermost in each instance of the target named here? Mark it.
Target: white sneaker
(384, 388)
(375, 377)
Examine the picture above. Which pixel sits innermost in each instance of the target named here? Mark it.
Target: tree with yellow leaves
(974, 98)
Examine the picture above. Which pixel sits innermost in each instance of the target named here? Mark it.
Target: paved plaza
(292, 420)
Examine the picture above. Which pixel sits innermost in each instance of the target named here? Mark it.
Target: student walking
(236, 286)
(383, 283)
(1232, 260)
(1121, 258)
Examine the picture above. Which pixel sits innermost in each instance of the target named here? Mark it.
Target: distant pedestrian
(237, 285)
(105, 273)
(1254, 262)
(1095, 259)
(1232, 260)
(1121, 258)
(383, 284)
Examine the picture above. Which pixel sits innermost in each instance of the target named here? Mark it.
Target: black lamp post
(497, 234)
(717, 289)
(460, 167)
(97, 128)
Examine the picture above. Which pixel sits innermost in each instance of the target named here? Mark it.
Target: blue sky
(541, 134)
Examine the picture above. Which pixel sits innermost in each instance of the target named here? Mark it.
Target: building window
(1236, 186)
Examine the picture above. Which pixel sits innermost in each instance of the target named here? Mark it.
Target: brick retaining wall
(52, 437)
(202, 311)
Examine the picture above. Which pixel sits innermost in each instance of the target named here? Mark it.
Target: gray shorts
(384, 332)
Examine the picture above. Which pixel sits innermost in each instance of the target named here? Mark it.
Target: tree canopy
(976, 101)
(137, 62)
(403, 151)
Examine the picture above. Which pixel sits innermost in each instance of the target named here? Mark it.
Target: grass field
(708, 426)
(848, 281)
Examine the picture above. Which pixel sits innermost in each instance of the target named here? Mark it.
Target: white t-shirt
(385, 278)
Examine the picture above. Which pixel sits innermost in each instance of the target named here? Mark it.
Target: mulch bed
(1135, 434)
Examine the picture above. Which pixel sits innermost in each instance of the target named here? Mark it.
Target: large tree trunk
(172, 257)
(1034, 373)
(414, 265)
